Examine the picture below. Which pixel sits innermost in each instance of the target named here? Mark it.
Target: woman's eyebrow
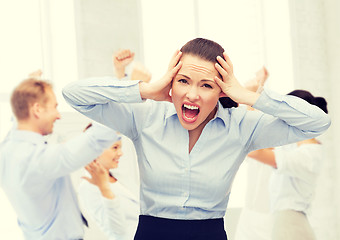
(207, 80)
(203, 80)
(183, 75)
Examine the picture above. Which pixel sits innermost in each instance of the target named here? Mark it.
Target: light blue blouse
(35, 178)
(174, 183)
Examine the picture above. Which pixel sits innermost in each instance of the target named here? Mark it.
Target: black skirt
(155, 228)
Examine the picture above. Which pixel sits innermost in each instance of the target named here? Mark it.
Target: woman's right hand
(99, 175)
(160, 90)
(100, 178)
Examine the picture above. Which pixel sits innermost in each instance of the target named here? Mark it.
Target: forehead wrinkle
(199, 68)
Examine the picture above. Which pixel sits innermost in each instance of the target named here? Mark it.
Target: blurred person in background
(35, 175)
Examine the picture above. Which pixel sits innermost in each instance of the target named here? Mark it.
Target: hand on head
(160, 90)
(228, 84)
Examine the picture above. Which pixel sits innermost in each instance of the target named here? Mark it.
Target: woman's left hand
(230, 86)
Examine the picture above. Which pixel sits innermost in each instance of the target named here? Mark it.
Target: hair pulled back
(207, 50)
(307, 96)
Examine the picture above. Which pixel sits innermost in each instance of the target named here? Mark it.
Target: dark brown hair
(207, 50)
(26, 94)
(307, 96)
(203, 48)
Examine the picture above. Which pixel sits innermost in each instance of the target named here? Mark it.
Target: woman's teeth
(190, 107)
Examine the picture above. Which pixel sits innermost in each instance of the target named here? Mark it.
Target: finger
(90, 180)
(121, 58)
(226, 57)
(123, 54)
(173, 73)
(175, 59)
(97, 166)
(175, 53)
(92, 166)
(221, 71)
(126, 54)
(266, 73)
(224, 64)
(92, 163)
(175, 70)
(89, 169)
(262, 81)
(117, 54)
(129, 54)
(86, 178)
(102, 169)
(96, 163)
(219, 82)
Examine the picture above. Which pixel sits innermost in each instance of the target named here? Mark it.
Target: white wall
(332, 35)
(315, 37)
(103, 27)
(310, 55)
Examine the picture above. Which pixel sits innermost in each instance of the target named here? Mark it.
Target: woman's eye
(182, 81)
(207, 85)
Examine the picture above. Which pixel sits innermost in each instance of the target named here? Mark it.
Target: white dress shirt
(256, 220)
(35, 178)
(293, 183)
(177, 184)
(117, 218)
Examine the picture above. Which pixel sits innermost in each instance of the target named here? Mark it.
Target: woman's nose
(192, 93)
(58, 115)
(120, 152)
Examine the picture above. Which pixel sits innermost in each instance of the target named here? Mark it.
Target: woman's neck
(112, 179)
(196, 133)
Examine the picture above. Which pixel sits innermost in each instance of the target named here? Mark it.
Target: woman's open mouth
(190, 112)
(115, 160)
